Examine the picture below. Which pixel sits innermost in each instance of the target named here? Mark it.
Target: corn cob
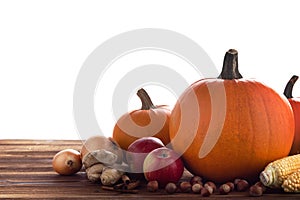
(276, 172)
(292, 183)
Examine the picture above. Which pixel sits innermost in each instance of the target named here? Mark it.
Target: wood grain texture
(26, 173)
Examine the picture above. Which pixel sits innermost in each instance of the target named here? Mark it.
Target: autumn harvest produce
(137, 152)
(102, 159)
(292, 183)
(101, 142)
(163, 165)
(163, 170)
(148, 121)
(232, 134)
(295, 103)
(283, 173)
(229, 127)
(67, 162)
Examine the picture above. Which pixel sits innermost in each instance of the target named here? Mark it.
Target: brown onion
(67, 162)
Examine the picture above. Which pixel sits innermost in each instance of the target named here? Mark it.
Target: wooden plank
(39, 142)
(93, 190)
(26, 172)
(96, 192)
(46, 147)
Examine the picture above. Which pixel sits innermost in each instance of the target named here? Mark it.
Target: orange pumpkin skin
(145, 122)
(295, 103)
(247, 126)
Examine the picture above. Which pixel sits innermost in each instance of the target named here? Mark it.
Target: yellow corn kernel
(276, 172)
(292, 183)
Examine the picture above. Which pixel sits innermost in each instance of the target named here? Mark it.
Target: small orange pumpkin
(295, 103)
(230, 127)
(148, 121)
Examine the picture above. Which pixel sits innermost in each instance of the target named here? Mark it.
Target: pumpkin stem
(230, 66)
(288, 90)
(145, 99)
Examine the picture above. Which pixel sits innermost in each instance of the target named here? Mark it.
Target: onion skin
(67, 162)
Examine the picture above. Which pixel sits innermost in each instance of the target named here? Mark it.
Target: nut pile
(197, 186)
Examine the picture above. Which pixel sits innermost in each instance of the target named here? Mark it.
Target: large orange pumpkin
(230, 127)
(148, 121)
(295, 103)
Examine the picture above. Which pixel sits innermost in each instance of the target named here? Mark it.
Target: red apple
(138, 150)
(163, 165)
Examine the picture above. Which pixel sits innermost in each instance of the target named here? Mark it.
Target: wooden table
(26, 172)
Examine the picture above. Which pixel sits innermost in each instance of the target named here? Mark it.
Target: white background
(43, 45)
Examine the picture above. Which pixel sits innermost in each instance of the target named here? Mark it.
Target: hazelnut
(212, 185)
(185, 187)
(255, 191)
(236, 181)
(231, 185)
(242, 185)
(152, 186)
(196, 179)
(260, 184)
(204, 192)
(224, 189)
(171, 188)
(209, 188)
(196, 188)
